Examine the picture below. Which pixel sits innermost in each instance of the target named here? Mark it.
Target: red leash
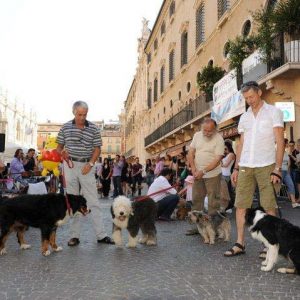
(70, 165)
(141, 198)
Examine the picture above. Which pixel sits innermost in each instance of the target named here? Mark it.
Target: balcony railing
(190, 111)
(287, 50)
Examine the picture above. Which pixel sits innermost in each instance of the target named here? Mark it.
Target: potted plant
(277, 24)
(265, 32)
(207, 78)
(286, 18)
(239, 49)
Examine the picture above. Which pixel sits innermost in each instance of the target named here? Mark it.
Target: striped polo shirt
(79, 143)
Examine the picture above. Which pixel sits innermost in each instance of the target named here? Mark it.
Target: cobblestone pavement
(180, 267)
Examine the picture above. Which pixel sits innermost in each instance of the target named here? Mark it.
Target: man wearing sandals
(258, 160)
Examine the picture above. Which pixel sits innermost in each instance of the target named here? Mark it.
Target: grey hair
(208, 120)
(79, 104)
(245, 89)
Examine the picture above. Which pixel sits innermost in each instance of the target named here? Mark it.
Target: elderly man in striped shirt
(79, 140)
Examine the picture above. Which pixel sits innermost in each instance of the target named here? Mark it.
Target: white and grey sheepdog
(134, 216)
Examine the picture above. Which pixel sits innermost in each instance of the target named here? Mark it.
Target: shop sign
(227, 100)
(288, 110)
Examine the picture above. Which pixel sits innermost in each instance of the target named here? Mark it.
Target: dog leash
(141, 198)
(275, 194)
(64, 183)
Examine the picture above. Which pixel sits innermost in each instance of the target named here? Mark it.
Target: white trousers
(76, 184)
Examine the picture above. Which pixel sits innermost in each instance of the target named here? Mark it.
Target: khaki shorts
(247, 179)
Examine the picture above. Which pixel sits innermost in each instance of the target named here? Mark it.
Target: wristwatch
(91, 164)
(278, 169)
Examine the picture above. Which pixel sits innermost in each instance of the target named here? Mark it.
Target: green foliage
(286, 17)
(239, 49)
(207, 78)
(265, 31)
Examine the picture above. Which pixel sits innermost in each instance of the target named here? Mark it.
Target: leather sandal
(235, 253)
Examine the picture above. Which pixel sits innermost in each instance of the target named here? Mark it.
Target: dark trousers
(105, 186)
(137, 179)
(294, 176)
(166, 205)
(117, 186)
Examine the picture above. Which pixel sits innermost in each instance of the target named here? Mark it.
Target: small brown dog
(182, 213)
(210, 226)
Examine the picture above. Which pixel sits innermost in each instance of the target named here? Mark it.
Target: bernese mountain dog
(133, 216)
(278, 235)
(46, 212)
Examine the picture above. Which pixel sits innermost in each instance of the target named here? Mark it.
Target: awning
(176, 150)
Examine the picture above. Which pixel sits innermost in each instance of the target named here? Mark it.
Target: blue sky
(54, 52)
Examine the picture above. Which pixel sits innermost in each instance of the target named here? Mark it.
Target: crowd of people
(210, 176)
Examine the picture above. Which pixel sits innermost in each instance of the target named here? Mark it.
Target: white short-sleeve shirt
(259, 139)
(160, 183)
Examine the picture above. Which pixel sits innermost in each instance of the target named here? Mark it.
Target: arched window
(272, 3)
(246, 28)
(188, 87)
(200, 33)
(210, 63)
(172, 9)
(223, 5)
(184, 48)
(226, 50)
(171, 65)
(155, 90)
(162, 79)
(149, 98)
(155, 44)
(163, 28)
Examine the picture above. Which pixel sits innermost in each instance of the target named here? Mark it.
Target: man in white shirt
(258, 161)
(168, 199)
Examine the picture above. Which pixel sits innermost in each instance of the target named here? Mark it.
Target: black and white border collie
(46, 212)
(278, 235)
(134, 216)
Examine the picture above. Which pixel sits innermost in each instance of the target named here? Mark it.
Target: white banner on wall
(288, 110)
(251, 62)
(227, 100)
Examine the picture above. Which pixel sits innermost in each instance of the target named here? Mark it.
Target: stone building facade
(165, 107)
(18, 123)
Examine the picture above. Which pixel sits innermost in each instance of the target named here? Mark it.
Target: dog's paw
(212, 242)
(264, 262)
(58, 249)
(131, 245)
(3, 251)
(206, 242)
(46, 253)
(266, 269)
(142, 240)
(25, 246)
(151, 243)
